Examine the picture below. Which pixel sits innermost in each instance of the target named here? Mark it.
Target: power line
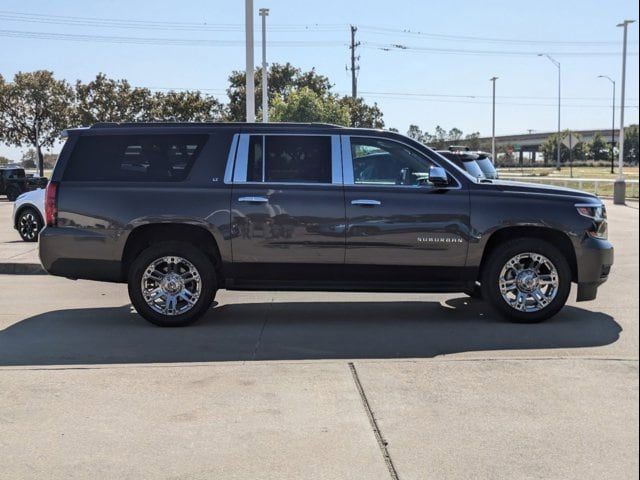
(515, 41)
(153, 25)
(233, 27)
(453, 51)
(469, 102)
(429, 96)
(526, 97)
(158, 41)
(275, 43)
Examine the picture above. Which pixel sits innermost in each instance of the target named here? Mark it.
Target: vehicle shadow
(293, 331)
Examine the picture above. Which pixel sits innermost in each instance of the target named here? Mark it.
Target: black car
(14, 181)
(179, 211)
(464, 160)
(482, 159)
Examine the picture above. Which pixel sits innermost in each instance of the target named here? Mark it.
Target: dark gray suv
(179, 211)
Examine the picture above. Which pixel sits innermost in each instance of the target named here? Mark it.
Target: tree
(631, 144)
(34, 109)
(4, 160)
(361, 114)
(598, 148)
(305, 105)
(188, 106)
(549, 148)
(416, 133)
(454, 134)
(107, 100)
(283, 79)
(29, 158)
(472, 140)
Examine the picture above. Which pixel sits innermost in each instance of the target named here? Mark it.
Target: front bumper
(595, 259)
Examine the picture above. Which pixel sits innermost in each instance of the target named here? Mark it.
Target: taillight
(51, 204)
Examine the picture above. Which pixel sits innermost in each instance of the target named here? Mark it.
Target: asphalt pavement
(318, 385)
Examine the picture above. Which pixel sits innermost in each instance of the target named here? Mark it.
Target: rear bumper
(595, 260)
(74, 253)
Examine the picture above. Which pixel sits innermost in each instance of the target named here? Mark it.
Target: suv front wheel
(172, 284)
(527, 280)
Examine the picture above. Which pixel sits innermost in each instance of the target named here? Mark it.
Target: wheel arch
(24, 207)
(555, 237)
(146, 235)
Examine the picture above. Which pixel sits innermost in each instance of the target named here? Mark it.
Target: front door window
(383, 162)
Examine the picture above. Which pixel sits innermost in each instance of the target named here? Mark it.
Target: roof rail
(211, 124)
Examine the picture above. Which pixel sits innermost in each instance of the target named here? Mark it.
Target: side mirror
(438, 177)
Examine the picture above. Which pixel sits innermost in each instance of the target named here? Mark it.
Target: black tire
(12, 193)
(29, 224)
(498, 259)
(190, 253)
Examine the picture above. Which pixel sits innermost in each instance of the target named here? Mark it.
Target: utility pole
(493, 121)
(354, 68)
(620, 187)
(557, 64)
(613, 118)
(264, 13)
(250, 98)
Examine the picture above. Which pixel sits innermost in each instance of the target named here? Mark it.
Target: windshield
(487, 168)
(473, 168)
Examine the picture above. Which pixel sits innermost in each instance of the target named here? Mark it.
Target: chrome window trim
(347, 161)
(242, 158)
(347, 164)
(231, 158)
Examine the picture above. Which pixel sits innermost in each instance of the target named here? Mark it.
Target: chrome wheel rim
(28, 226)
(171, 285)
(529, 282)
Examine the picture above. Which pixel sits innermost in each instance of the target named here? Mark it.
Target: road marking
(382, 443)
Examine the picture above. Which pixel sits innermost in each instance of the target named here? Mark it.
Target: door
(287, 208)
(399, 226)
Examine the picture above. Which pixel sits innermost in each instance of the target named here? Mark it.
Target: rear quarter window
(134, 158)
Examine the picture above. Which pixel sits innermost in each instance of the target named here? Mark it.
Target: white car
(28, 214)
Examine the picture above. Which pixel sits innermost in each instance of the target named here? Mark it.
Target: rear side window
(134, 158)
(289, 159)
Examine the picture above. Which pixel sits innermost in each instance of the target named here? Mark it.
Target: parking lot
(316, 385)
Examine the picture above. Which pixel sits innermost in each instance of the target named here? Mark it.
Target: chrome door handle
(366, 203)
(254, 199)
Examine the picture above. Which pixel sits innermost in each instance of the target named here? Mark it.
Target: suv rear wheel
(527, 280)
(172, 284)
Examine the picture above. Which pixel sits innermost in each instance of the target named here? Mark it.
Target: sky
(423, 62)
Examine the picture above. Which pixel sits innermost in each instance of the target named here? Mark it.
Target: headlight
(597, 213)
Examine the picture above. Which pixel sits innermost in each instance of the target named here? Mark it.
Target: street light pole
(250, 99)
(264, 12)
(613, 118)
(493, 121)
(557, 64)
(619, 187)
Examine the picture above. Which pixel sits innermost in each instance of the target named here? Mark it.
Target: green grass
(578, 172)
(604, 190)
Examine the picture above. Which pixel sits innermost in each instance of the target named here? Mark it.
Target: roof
(259, 127)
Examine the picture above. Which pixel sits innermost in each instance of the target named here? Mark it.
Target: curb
(16, 268)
